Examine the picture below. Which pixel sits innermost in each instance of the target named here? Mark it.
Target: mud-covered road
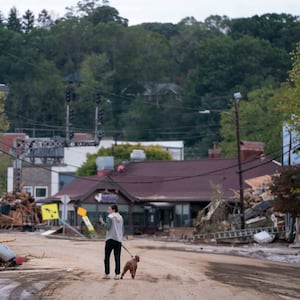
(72, 269)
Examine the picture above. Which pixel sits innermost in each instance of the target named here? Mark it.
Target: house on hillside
(158, 195)
(162, 92)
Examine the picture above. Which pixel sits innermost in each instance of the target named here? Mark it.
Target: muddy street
(72, 269)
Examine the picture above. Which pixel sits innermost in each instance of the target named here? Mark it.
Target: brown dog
(131, 265)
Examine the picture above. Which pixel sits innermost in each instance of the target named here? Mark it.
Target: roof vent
(137, 155)
(105, 163)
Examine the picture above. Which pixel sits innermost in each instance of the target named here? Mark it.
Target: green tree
(5, 162)
(28, 22)
(121, 153)
(44, 19)
(259, 121)
(168, 30)
(4, 123)
(218, 23)
(281, 30)
(1, 19)
(106, 14)
(97, 74)
(14, 22)
(289, 104)
(286, 189)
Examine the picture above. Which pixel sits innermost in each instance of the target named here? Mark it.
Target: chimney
(105, 165)
(137, 155)
(215, 152)
(251, 149)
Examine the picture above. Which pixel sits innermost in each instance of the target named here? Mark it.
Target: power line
(163, 180)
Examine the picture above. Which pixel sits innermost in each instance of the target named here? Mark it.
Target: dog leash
(127, 251)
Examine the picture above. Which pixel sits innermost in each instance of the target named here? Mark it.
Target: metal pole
(237, 96)
(68, 124)
(96, 122)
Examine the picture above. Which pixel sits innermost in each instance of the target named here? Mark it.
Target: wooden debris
(221, 215)
(19, 210)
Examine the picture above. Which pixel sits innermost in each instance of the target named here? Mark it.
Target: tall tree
(28, 22)
(289, 104)
(281, 30)
(13, 21)
(95, 69)
(44, 19)
(286, 189)
(259, 121)
(106, 14)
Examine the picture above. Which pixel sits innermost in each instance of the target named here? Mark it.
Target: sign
(88, 223)
(106, 197)
(65, 199)
(41, 147)
(81, 211)
(50, 212)
(46, 152)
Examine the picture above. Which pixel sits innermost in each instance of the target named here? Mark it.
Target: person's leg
(117, 254)
(109, 246)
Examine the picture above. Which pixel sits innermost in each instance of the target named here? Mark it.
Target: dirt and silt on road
(72, 269)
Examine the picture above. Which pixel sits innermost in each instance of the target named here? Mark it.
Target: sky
(165, 11)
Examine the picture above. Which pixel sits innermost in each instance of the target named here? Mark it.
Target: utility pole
(98, 118)
(69, 114)
(237, 97)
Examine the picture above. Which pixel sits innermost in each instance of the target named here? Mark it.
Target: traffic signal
(18, 176)
(97, 97)
(71, 114)
(69, 94)
(100, 115)
(71, 134)
(100, 135)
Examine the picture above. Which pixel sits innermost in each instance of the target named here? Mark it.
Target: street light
(237, 96)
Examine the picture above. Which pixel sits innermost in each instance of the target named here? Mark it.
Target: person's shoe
(117, 276)
(106, 276)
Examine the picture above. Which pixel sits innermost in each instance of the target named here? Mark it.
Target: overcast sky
(173, 11)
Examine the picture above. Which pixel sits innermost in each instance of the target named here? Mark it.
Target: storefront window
(182, 215)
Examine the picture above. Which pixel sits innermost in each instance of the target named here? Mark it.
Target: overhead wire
(120, 96)
(177, 178)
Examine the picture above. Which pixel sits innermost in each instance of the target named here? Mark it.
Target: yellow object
(50, 212)
(88, 223)
(81, 211)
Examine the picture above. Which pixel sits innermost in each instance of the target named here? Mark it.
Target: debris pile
(19, 210)
(224, 215)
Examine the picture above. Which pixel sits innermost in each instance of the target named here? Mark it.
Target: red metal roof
(190, 180)
(7, 140)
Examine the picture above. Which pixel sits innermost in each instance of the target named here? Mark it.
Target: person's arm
(106, 224)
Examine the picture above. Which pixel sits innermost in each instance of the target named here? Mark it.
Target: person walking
(113, 240)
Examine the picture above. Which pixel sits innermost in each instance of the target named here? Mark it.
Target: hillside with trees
(93, 50)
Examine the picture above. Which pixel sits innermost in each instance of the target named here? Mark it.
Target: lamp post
(237, 97)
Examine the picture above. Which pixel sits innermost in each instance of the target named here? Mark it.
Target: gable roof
(77, 189)
(161, 89)
(174, 181)
(192, 180)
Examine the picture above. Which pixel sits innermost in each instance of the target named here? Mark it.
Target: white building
(45, 180)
